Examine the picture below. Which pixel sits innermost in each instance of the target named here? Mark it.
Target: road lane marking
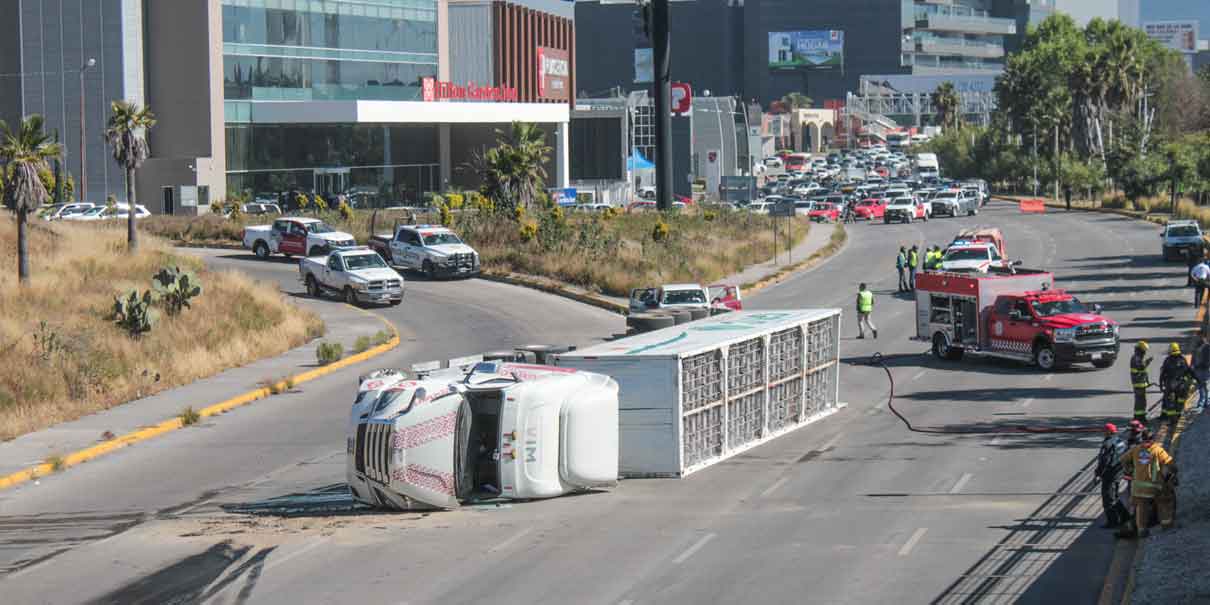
(1026, 403)
(773, 488)
(919, 374)
(626, 602)
(961, 483)
(505, 544)
(911, 543)
(832, 441)
(872, 411)
(681, 558)
(302, 551)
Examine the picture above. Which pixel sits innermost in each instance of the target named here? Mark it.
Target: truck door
(1010, 326)
(294, 241)
(332, 271)
(406, 249)
(642, 299)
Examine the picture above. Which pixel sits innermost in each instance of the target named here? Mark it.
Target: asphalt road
(853, 509)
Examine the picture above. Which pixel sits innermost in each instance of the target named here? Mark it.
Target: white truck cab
(669, 296)
(431, 249)
(493, 430)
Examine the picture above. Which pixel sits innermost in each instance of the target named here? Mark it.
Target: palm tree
(24, 153)
(126, 135)
(797, 100)
(514, 171)
(946, 101)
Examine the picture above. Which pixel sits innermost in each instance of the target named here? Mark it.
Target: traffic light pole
(661, 54)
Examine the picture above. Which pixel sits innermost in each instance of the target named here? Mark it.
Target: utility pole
(662, 56)
(83, 153)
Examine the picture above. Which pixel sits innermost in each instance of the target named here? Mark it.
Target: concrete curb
(554, 287)
(215, 245)
(143, 434)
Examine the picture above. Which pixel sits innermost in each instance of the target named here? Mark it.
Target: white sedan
(118, 211)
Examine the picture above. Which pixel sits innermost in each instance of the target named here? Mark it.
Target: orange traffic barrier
(1033, 205)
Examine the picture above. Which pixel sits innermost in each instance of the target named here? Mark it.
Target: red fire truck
(1012, 313)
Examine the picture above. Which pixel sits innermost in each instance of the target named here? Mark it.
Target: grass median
(605, 253)
(66, 356)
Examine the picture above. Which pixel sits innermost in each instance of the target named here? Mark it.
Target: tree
(946, 102)
(796, 100)
(24, 153)
(126, 134)
(514, 171)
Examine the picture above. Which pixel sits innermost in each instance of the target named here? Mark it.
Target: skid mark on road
(509, 542)
(773, 488)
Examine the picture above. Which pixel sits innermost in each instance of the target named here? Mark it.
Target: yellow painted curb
(173, 424)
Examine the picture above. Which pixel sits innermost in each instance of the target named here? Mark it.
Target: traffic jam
(544, 421)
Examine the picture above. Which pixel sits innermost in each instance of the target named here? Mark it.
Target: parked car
(108, 213)
(62, 211)
(295, 236)
(905, 210)
(1179, 237)
(359, 275)
(669, 296)
(431, 249)
(824, 212)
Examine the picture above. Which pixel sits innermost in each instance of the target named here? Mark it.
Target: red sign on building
(554, 74)
(433, 89)
(682, 98)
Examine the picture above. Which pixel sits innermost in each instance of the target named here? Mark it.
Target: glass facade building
(328, 50)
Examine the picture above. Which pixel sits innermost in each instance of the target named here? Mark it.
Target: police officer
(901, 262)
(1139, 379)
(1109, 471)
(913, 264)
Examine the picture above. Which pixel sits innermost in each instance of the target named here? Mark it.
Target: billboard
(554, 74)
(1180, 36)
(644, 66)
(820, 49)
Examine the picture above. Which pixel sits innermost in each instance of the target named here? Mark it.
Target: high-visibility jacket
(913, 259)
(1147, 464)
(865, 301)
(932, 260)
(1139, 378)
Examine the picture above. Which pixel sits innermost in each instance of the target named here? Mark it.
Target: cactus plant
(174, 288)
(133, 312)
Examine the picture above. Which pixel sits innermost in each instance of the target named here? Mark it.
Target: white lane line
(773, 488)
(505, 544)
(911, 543)
(1026, 403)
(919, 374)
(832, 441)
(681, 558)
(961, 483)
(872, 411)
(626, 602)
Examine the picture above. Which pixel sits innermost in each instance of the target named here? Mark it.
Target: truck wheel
(350, 297)
(1044, 356)
(646, 322)
(975, 211)
(261, 249)
(943, 350)
(313, 288)
(428, 270)
(697, 314)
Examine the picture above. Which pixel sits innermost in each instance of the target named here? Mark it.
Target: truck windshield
(364, 261)
(319, 228)
(1182, 231)
(1058, 307)
(437, 239)
(967, 254)
(684, 297)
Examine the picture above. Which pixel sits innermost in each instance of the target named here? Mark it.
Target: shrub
(528, 231)
(444, 215)
(329, 352)
(216, 207)
(345, 210)
(302, 201)
(660, 232)
(237, 211)
(710, 215)
(455, 200)
(611, 212)
(321, 205)
(134, 313)
(381, 337)
(174, 287)
(518, 213)
(189, 416)
(56, 462)
(362, 344)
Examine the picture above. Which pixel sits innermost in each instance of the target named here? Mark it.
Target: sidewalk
(818, 237)
(344, 325)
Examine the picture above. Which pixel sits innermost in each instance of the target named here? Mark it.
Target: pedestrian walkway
(817, 238)
(344, 325)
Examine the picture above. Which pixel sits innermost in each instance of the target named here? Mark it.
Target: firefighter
(1109, 471)
(1176, 379)
(913, 264)
(865, 306)
(1152, 469)
(901, 266)
(1139, 379)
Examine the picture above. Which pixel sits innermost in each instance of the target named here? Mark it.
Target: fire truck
(1011, 313)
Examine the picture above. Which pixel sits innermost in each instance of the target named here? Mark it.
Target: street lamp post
(83, 153)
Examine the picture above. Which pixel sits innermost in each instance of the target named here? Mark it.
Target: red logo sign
(433, 89)
(554, 74)
(682, 97)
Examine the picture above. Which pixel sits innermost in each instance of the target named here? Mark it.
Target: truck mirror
(1097, 309)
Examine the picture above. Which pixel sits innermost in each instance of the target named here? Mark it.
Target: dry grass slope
(64, 358)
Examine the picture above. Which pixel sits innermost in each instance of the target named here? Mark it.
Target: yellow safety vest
(865, 301)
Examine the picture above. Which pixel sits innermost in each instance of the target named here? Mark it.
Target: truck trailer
(1012, 313)
(695, 394)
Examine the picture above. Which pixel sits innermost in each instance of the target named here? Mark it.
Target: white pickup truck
(295, 236)
(431, 249)
(493, 430)
(359, 275)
